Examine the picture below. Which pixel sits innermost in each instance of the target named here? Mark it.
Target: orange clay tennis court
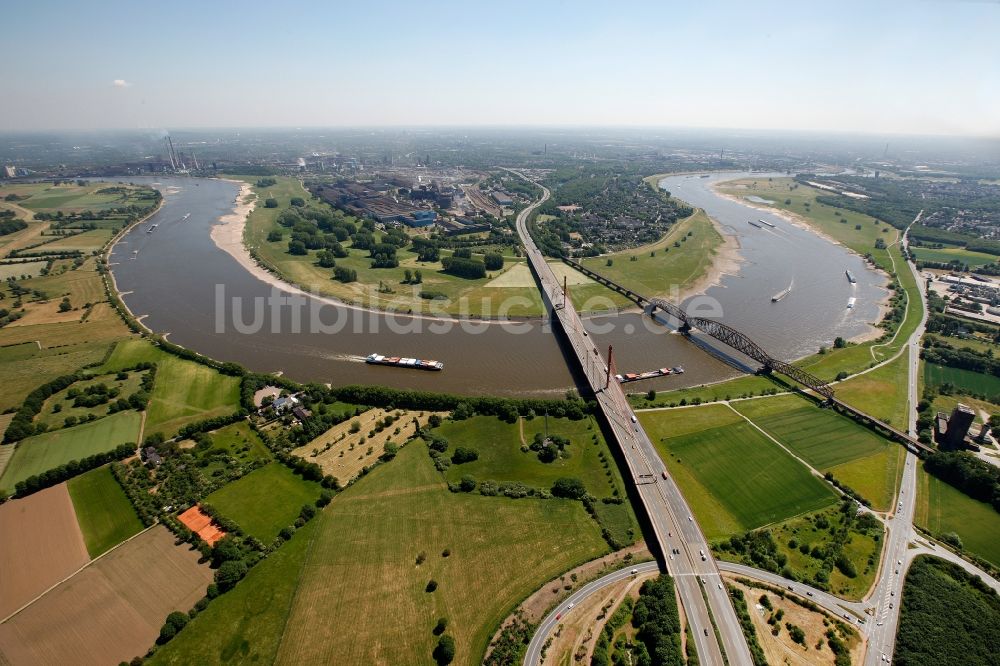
(201, 524)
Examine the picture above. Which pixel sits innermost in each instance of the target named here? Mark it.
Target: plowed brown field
(111, 611)
(40, 544)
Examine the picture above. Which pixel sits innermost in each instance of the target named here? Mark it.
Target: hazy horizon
(916, 69)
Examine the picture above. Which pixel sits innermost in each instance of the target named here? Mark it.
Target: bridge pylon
(685, 328)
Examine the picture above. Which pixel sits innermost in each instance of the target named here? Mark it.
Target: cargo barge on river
(400, 362)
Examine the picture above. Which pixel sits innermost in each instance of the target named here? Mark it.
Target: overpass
(736, 340)
(685, 550)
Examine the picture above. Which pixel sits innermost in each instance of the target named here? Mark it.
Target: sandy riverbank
(803, 223)
(726, 260)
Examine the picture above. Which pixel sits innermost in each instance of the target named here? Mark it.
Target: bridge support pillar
(765, 370)
(685, 328)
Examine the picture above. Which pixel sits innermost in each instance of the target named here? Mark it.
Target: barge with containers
(402, 362)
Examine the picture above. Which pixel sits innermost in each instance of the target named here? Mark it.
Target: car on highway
(706, 631)
(570, 606)
(720, 586)
(690, 519)
(809, 594)
(664, 474)
(633, 418)
(634, 571)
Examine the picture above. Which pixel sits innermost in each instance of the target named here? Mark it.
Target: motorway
(688, 558)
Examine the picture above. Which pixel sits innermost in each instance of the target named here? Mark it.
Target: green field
(946, 255)
(37, 454)
(830, 442)
(734, 478)
(105, 515)
(184, 392)
(501, 459)
(965, 381)
(265, 500)
(326, 602)
(659, 266)
(942, 508)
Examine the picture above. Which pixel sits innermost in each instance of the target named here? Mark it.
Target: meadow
(734, 478)
(105, 515)
(37, 454)
(501, 458)
(362, 555)
(265, 500)
(59, 406)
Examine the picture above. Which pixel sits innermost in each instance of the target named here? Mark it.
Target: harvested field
(342, 453)
(45, 313)
(111, 611)
(21, 268)
(40, 544)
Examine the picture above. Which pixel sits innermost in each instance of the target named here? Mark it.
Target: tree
(342, 274)
(274, 236)
(464, 455)
(325, 259)
(407, 276)
(569, 488)
(65, 305)
(548, 453)
(467, 484)
(297, 248)
(493, 261)
(298, 202)
(270, 203)
(839, 343)
(431, 585)
(418, 277)
(441, 625)
(444, 653)
(230, 573)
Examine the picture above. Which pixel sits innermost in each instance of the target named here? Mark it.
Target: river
(172, 277)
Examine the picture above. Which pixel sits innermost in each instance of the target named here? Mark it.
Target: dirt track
(111, 611)
(40, 544)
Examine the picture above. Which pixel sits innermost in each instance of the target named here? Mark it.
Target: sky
(878, 66)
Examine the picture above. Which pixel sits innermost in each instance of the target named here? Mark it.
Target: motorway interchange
(697, 575)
